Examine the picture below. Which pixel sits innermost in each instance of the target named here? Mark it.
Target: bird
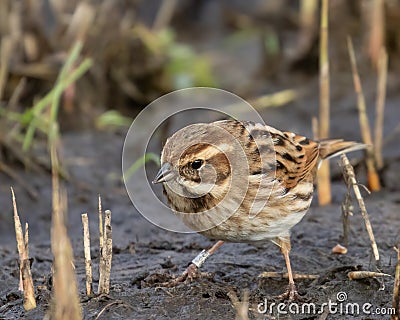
(241, 181)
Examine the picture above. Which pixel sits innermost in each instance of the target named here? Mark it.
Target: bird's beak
(164, 174)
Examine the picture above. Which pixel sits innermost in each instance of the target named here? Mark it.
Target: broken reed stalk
(380, 107)
(24, 263)
(396, 287)
(324, 186)
(357, 275)
(350, 178)
(373, 178)
(88, 259)
(100, 226)
(65, 297)
(106, 256)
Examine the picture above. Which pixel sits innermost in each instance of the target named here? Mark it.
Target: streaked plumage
(242, 182)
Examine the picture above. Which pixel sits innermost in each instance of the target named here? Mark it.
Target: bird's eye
(196, 164)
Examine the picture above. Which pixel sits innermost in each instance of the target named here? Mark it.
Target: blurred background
(143, 49)
(106, 60)
(73, 76)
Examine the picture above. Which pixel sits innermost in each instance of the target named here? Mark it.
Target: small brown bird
(242, 182)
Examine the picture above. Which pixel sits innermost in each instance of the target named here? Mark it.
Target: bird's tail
(333, 147)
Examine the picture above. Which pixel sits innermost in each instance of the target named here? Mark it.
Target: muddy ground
(145, 254)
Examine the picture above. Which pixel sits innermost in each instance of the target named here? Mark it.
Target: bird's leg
(191, 271)
(291, 292)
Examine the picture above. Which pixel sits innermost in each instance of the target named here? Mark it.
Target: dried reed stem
(106, 256)
(357, 275)
(101, 238)
(324, 186)
(66, 299)
(296, 276)
(24, 263)
(88, 259)
(380, 107)
(396, 287)
(350, 178)
(377, 30)
(373, 178)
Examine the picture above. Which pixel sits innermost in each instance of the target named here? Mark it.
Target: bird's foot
(191, 273)
(290, 294)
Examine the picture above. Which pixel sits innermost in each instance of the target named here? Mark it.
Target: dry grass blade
(296, 276)
(373, 178)
(380, 107)
(88, 259)
(24, 266)
(396, 287)
(350, 178)
(324, 186)
(66, 299)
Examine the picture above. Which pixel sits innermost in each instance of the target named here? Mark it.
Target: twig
(349, 176)
(373, 178)
(380, 107)
(24, 265)
(107, 307)
(396, 287)
(324, 186)
(88, 259)
(241, 307)
(106, 256)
